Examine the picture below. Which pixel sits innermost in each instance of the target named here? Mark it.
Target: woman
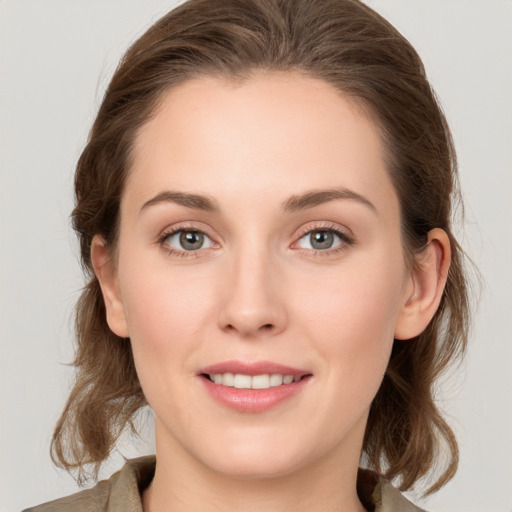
(263, 207)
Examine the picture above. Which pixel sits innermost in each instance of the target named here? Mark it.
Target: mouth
(244, 381)
(253, 387)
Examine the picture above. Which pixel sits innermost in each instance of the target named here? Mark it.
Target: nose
(252, 298)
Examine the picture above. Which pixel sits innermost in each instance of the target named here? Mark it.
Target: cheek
(351, 316)
(165, 312)
(359, 301)
(166, 315)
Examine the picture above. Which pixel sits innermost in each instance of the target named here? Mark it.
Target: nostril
(246, 329)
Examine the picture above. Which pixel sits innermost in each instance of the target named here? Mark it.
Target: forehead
(277, 133)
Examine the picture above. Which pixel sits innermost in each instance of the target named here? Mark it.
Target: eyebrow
(196, 201)
(295, 203)
(316, 197)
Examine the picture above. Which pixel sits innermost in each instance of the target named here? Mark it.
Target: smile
(243, 381)
(253, 387)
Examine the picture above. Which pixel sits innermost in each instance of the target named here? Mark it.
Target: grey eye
(189, 240)
(320, 240)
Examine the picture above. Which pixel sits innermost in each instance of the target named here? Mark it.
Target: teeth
(260, 382)
(276, 380)
(241, 381)
(228, 379)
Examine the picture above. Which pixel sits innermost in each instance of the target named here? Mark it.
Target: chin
(269, 456)
(260, 467)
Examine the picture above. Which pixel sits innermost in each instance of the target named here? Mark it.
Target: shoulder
(121, 492)
(90, 500)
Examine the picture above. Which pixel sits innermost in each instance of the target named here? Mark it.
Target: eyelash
(346, 240)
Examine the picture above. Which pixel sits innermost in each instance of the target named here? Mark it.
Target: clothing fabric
(123, 490)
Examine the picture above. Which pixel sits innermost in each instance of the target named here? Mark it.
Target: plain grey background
(56, 59)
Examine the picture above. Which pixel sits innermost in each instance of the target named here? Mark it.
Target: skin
(258, 290)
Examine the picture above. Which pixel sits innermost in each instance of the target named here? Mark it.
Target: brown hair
(350, 46)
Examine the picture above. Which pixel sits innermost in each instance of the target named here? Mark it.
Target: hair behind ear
(106, 393)
(406, 435)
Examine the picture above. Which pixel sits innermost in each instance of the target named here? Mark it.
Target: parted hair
(354, 49)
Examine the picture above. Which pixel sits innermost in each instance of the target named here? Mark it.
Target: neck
(182, 483)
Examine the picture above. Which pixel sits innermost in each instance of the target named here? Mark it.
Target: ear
(426, 286)
(105, 271)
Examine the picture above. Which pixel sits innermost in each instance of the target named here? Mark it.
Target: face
(259, 244)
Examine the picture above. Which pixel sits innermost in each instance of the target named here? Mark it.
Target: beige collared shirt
(122, 493)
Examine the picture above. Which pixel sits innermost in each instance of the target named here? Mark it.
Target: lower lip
(253, 400)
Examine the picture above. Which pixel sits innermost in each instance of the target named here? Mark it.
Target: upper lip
(253, 368)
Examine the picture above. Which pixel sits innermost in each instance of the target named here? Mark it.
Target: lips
(255, 368)
(252, 387)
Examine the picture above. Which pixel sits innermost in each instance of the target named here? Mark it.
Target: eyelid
(185, 226)
(326, 226)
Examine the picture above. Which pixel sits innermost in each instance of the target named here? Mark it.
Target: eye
(322, 240)
(187, 240)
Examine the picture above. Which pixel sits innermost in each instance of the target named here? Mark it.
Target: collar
(376, 493)
(123, 490)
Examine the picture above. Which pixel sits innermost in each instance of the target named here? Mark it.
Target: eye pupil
(321, 239)
(191, 240)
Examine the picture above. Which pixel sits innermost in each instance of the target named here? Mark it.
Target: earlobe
(105, 271)
(427, 283)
